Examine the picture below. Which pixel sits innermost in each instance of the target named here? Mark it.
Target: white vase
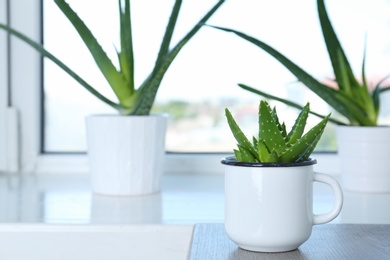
(126, 153)
(364, 154)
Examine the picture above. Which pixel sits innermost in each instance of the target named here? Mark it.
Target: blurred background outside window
(202, 81)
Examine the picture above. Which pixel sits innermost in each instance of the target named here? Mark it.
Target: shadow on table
(240, 254)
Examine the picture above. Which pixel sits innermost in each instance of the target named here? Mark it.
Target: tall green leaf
(269, 132)
(272, 144)
(113, 77)
(126, 55)
(60, 64)
(150, 86)
(287, 102)
(166, 42)
(323, 91)
(299, 125)
(335, 51)
(240, 137)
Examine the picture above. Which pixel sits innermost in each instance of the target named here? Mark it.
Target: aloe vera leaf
(359, 115)
(149, 88)
(381, 81)
(275, 116)
(273, 157)
(295, 152)
(151, 85)
(323, 91)
(335, 51)
(263, 151)
(359, 96)
(238, 155)
(384, 89)
(364, 80)
(238, 134)
(326, 93)
(268, 129)
(65, 68)
(366, 103)
(343, 80)
(254, 142)
(310, 148)
(284, 131)
(164, 48)
(287, 102)
(375, 98)
(276, 119)
(366, 95)
(377, 91)
(246, 156)
(126, 55)
(299, 125)
(113, 77)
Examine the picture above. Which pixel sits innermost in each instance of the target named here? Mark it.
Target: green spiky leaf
(238, 155)
(263, 151)
(246, 155)
(149, 88)
(271, 145)
(299, 126)
(126, 55)
(131, 101)
(352, 100)
(302, 145)
(287, 102)
(269, 130)
(113, 77)
(238, 134)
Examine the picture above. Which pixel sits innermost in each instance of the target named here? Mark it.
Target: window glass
(203, 79)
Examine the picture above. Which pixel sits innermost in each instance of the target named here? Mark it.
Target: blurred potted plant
(362, 144)
(268, 184)
(126, 151)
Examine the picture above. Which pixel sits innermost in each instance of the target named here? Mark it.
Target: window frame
(3, 85)
(25, 94)
(26, 98)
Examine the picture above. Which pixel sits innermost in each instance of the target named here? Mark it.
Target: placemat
(328, 241)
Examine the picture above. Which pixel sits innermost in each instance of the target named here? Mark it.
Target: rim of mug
(232, 161)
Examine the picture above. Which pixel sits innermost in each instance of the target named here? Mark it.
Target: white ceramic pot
(364, 154)
(126, 153)
(269, 207)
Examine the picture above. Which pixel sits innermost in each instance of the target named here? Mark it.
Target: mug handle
(338, 199)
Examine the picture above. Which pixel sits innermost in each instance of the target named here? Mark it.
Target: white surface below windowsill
(97, 242)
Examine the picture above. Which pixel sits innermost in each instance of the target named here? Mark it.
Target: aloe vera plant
(354, 100)
(131, 100)
(273, 143)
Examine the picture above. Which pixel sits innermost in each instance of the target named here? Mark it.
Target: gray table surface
(329, 241)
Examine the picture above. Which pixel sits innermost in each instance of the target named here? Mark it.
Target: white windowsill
(180, 163)
(33, 206)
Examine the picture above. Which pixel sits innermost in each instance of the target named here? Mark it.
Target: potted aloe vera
(269, 184)
(126, 151)
(363, 145)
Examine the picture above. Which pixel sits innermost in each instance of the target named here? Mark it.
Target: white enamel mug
(269, 206)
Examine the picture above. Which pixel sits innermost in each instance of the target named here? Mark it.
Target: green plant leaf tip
(273, 144)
